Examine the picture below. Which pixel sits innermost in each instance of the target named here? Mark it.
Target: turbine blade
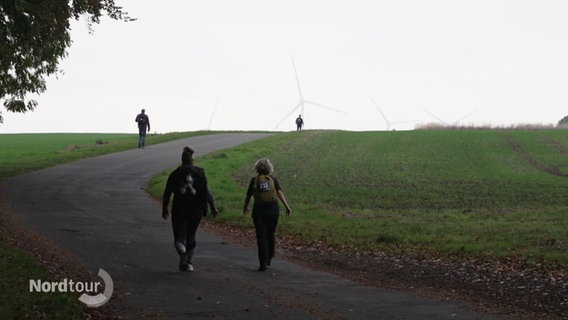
(404, 121)
(323, 106)
(297, 80)
(289, 114)
(467, 115)
(388, 123)
(442, 121)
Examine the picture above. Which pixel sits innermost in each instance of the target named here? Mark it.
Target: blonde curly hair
(263, 166)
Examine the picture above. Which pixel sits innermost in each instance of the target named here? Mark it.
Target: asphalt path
(97, 209)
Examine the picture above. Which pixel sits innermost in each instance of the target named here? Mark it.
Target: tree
(563, 123)
(34, 37)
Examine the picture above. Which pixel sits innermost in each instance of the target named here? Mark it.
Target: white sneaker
(189, 267)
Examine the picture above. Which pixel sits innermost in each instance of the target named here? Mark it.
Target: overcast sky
(421, 61)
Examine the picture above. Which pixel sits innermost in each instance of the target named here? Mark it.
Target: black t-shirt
(186, 201)
(143, 120)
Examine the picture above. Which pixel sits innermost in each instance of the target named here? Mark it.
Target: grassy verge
(462, 194)
(17, 302)
(26, 152)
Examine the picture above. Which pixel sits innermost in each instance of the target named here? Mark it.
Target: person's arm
(211, 202)
(282, 198)
(209, 198)
(246, 205)
(166, 197)
(248, 196)
(148, 123)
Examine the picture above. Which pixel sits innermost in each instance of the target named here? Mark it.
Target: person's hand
(215, 212)
(165, 214)
(288, 211)
(245, 210)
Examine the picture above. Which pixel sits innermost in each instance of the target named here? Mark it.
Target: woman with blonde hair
(266, 191)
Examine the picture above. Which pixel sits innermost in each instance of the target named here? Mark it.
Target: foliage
(563, 123)
(34, 37)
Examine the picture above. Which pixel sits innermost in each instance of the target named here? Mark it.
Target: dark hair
(187, 156)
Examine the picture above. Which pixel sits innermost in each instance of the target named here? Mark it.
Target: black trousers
(265, 226)
(185, 226)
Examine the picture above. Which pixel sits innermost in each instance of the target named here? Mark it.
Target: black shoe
(262, 268)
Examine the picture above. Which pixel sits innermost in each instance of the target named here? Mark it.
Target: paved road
(97, 209)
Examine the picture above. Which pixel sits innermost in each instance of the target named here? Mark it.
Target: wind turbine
(303, 101)
(453, 123)
(387, 122)
(213, 115)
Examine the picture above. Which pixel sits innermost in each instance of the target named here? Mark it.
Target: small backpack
(265, 189)
(142, 120)
(192, 184)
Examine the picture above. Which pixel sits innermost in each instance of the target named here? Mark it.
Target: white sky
(506, 59)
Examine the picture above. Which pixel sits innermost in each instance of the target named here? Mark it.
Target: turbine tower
(387, 122)
(213, 115)
(303, 101)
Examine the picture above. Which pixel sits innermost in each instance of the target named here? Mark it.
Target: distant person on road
(299, 123)
(143, 127)
(265, 212)
(188, 184)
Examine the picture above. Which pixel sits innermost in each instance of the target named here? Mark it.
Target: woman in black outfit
(191, 192)
(265, 212)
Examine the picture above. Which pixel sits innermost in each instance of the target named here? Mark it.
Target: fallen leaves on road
(499, 287)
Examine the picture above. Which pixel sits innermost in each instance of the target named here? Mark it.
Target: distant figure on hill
(266, 191)
(143, 127)
(299, 123)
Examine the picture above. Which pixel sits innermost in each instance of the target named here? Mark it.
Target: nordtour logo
(88, 289)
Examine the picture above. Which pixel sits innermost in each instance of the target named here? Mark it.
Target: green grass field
(482, 194)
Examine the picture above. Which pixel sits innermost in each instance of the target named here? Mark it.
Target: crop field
(482, 194)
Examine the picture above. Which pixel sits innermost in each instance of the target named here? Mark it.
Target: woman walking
(265, 212)
(188, 183)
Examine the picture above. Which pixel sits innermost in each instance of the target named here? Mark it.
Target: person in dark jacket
(188, 184)
(265, 212)
(299, 123)
(143, 127)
